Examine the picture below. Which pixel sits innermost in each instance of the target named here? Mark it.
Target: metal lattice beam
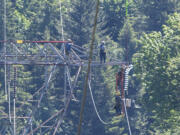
(47, 53)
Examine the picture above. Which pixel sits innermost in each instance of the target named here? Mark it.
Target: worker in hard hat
(117, 106)
(68, 47)
(102, 52)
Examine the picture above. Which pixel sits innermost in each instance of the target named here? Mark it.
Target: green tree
(127, 41)
(115, 15)
(152, 66)
(79, 23)
(157, 12)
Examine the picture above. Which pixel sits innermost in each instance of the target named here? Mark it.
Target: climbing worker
(68, 47)
(102, 52)
(118, 80)
(120, 77)
(120, 90)
(117, 106)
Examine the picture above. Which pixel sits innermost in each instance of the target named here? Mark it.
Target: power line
(9, 92)
(15, 79)
(61, 18)
(102, 121)
(5, 49)
(65, 71)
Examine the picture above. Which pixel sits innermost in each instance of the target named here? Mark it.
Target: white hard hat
(69, 40)
(103, 42)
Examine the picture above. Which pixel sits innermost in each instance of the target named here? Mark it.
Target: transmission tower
(50, 55)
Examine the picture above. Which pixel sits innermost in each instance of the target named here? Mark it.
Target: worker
(120, 77)
(102, 52)
(118, 80)
(117, 106)
(68, 47)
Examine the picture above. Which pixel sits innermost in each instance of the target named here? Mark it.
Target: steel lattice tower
(49, 54)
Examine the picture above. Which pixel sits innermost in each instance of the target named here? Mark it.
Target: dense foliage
(145, 33)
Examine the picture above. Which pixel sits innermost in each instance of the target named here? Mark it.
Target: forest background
(148, 29)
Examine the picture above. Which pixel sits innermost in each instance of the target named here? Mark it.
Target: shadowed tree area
(145, 33)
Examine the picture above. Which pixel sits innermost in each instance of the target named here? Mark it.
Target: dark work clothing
(102, 56)
(120, 78)
(102, 53)
(68, 48)
(117, 107)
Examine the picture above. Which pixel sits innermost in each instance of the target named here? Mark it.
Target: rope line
(9, 93)
(127, 4)
(61, 18)
(124, 101)
(15, 78)
(31, 123)
(92, 97)
(5, 50)
(66, 101)
(88, 71)
(63, 50)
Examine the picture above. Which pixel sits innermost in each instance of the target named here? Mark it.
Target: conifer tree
(79, 23)
(157, 12)
(158, 86)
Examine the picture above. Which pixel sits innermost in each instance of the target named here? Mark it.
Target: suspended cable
(9, 93)
(66, 102)
(124, 101)
(15, 78)
(102, 121)
(62, 28)
(127, 4)
(31, 123)
(88, 71)
(5, 50)
(61, 18)
(63, 50)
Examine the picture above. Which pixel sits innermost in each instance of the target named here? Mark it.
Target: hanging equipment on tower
(119, 91)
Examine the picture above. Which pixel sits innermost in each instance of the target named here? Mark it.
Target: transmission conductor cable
(63, 50)
(5, 50)
(9, 93)
(66, 102)
(15, 77)
(102, 121)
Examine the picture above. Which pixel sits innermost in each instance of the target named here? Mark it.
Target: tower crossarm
(47, 53)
